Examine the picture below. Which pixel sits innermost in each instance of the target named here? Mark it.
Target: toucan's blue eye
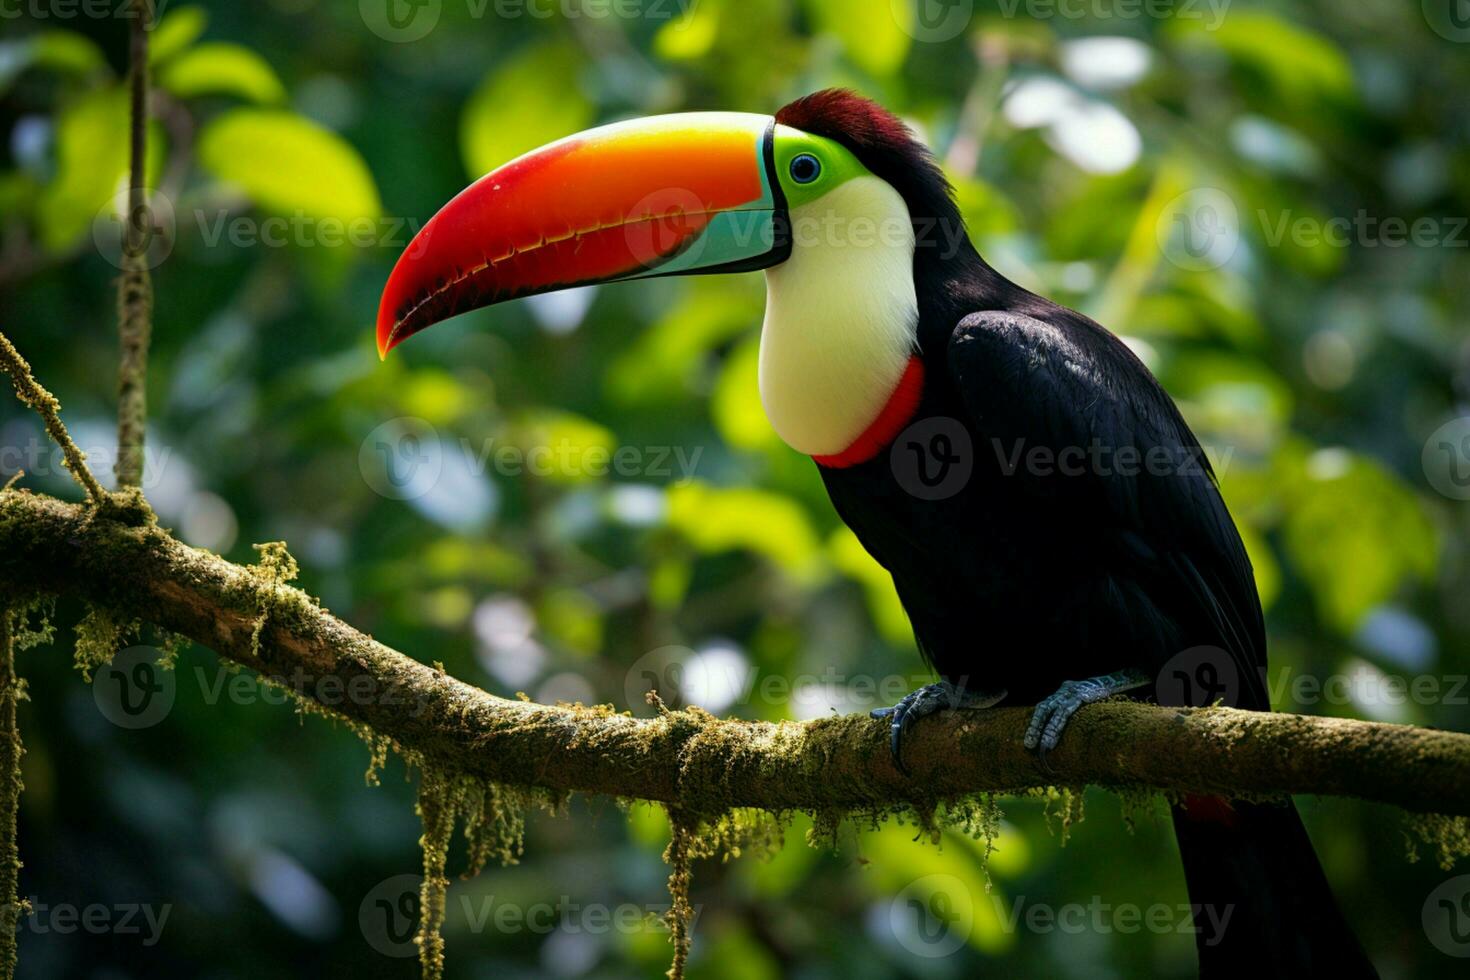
(805, 168)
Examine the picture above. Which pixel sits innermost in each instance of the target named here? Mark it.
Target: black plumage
(1023, 577)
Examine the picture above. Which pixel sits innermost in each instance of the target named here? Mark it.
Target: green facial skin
(838, 165)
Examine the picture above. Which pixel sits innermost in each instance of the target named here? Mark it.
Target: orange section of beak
(611, 203)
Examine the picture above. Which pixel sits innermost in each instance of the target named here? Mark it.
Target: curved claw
(922, 703)
(1050, 718)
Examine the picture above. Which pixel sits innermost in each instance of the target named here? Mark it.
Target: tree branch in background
(690, 759)
(135, 286)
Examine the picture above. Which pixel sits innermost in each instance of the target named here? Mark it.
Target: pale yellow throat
(841, 317)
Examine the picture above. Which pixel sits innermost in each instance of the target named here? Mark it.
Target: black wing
(1123, 465)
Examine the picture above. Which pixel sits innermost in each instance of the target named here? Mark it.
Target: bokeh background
(1267, 199)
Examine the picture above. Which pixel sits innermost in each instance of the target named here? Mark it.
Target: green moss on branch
(690, 759)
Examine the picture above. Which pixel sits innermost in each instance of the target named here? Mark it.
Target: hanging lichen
(25, 635)
(679, 857)
(437, 814)
(1448, 836)
(170, 645)
(99, 635)
(1064, 805)
(977, 817)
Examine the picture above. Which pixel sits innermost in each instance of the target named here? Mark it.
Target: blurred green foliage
(296, 145)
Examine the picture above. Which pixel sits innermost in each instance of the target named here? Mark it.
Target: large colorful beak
(666, 195)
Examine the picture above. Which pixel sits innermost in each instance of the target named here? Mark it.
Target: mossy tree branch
(34, 394)
(135, 286)
(689, 759)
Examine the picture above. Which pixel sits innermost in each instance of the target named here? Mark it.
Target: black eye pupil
(805, 168)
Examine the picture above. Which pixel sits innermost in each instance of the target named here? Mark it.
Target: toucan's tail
(1261, 903)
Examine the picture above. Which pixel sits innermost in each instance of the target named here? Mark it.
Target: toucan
(1052, 527)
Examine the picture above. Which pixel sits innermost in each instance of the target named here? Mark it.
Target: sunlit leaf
(1237, 397)
(907, 870)
(435, 396)
(1300, 65)
(289, 165)
(91, 162)
(717, 519)
(734, 954)
(1355, 533)
(222, 69)
(527, 101)
(179, 28)
(456, 559)
(985, 209)
(1263, 563)
(62, 51)
(572, 619)
(736, 405)
(869, 31)
(852, 559)
(690, 35)
(562, 446)
(664, 362)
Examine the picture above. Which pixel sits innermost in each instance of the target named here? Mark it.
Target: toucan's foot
(926, 701)
(1051, 715)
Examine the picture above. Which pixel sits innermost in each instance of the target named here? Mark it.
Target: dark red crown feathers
(881, 141)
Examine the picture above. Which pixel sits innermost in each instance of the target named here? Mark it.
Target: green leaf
(664, 363)
(562, 446)
(223, 69)
(1303, 67)
(91, 160)
(718, 519)
(691, 35)
(289, 165)
(179, 28)
(736, 404)
(985, 209)
(528, 101)
(1355, 532)
(868, 30)
(61, 51)
(850, 557)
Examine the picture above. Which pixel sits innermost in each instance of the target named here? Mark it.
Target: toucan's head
(833, 197)
(666, 195)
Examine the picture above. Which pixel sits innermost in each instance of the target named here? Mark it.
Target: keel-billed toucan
(921, 382)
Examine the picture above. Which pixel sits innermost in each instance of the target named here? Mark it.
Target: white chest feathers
(841, 317)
